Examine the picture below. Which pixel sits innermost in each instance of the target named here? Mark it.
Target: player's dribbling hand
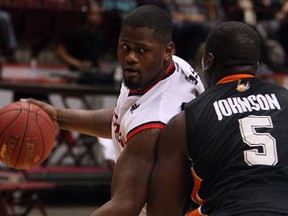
(49, 109)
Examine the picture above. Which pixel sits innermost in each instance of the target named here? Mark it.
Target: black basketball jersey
(237, 135)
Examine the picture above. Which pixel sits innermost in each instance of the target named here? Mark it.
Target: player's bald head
(234, 43)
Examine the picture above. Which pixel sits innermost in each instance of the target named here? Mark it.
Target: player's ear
(208, 61)
(168, 51)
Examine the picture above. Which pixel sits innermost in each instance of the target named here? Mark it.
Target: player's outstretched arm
(171, 173)
(131, 176)
(92, 122)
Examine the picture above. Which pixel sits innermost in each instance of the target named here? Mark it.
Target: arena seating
(17, 190)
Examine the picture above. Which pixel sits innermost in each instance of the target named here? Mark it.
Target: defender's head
(230, 48)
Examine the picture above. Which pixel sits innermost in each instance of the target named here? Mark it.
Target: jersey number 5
(268, 155)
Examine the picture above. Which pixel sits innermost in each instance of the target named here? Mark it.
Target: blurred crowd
(193, 20)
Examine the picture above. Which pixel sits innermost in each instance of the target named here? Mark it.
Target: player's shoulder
(187, 70)
(182, 64)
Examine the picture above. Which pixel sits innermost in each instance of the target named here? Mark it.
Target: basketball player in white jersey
(155, 87)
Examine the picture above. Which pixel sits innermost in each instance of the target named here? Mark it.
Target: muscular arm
(169, 179)
(92, 122)
(131, 176)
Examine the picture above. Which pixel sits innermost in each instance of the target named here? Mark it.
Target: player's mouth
(128, 71)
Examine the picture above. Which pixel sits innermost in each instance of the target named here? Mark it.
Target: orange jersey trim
(197, 183)
(195, 212)
(148, 125)
(234, 77)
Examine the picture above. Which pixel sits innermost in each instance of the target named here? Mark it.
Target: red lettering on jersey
(117, 132)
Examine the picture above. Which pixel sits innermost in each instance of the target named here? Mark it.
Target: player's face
(141, 57)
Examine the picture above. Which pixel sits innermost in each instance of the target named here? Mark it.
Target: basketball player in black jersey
(233, 138)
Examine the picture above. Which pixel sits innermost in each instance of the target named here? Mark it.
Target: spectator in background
(262, 15)
(266, 16)
(83, 48)
(239, 10)
(282, 15)
(273, 17)
(268, 25)
(8, 42)
(193, 20)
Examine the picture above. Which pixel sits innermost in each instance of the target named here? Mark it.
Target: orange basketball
(27, 135)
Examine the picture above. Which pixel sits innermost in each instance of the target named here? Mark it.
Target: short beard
(130, 84)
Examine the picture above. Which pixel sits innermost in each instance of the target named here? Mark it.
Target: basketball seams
(47, 121)
(52, 128)
(41, 133)
(24, 134)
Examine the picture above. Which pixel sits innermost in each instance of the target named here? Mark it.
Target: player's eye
(142, 50)
(124, 47)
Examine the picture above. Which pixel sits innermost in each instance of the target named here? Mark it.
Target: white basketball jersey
(139, 110)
